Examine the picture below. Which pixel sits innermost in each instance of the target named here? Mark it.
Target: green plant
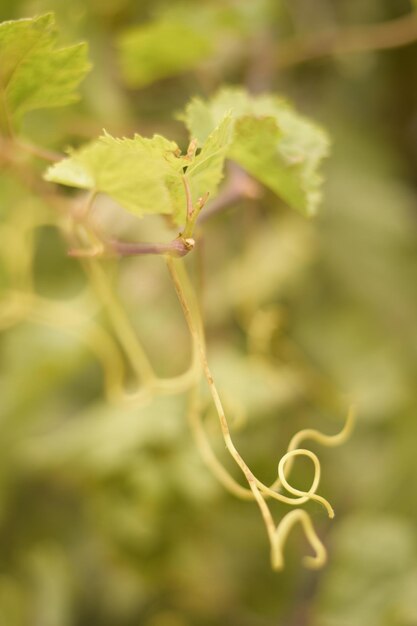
(267, 143)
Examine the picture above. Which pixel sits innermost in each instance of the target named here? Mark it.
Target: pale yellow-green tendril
(280, 536)
(258, 490)
(194, 331)
(277, 535)
(321, 438)
(227, 480)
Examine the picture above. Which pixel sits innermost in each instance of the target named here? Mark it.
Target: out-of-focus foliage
(33, 74)
(271, 141)
(107, 513)
(166, 48)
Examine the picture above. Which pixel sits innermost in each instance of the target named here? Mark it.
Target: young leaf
(206, 170)
(159, 50)
(146, 175)
(274, 143)
(255, 149)
(143, 175)
(33, 74)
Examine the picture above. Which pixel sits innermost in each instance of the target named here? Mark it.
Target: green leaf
(143, 175)
(206, 170)
(270, 140)
(159, 50)
(33, 74)
(146, 175)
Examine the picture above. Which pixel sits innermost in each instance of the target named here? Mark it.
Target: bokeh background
(107, 514)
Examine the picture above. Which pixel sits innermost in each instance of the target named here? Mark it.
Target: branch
(113, 247)
(395, 33)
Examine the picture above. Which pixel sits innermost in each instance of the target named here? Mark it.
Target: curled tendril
(257, 489)
(283, 530)
(321, 438)
(311, 493)
(277, 534)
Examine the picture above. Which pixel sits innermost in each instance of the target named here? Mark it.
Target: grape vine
(267, 143)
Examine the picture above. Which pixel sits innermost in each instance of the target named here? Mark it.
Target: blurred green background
(107, 514)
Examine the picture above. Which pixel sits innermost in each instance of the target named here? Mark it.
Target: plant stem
(197, 338)
(178, 247)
